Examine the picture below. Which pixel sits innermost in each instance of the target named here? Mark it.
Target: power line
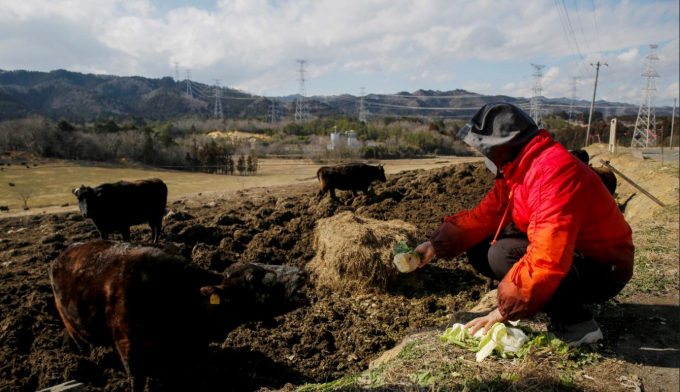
(596, 29)
(578, 14)
(574, 36)
(566, 35)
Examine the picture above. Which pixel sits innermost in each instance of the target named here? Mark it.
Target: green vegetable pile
(402, 248)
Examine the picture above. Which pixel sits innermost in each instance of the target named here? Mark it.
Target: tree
(25, 194)
(229, 166)
(107, 127)
(241, 164)
(148, 151)
(166, 140)
(65, 126)
(252, 162)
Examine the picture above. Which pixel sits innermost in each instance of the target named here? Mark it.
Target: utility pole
(362, 107)
(218, 99)
(574, 90)
(300, 112)
(645, 125)
(176, 72)
(535, 112)
(592, 103)
(672, 125)
(190, 93)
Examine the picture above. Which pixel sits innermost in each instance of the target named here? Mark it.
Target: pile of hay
(355, 253)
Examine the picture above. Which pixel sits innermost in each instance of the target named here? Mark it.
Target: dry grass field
(51, 184)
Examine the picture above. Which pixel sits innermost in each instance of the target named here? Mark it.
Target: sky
(384, 46)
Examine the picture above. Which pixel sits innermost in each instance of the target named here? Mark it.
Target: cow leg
(489, 284)
(155, 226)
(320, 195)
(134, 365)
(73, 344)
(332, 192)
(125, 231)
(104, 235)
(138, 382)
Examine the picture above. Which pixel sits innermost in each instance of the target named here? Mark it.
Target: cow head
(252, 291)
(86, 197)
(381, 173)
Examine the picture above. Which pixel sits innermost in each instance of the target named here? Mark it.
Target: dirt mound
(339, 333)
(354, 253)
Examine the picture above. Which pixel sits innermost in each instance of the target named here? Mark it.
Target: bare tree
(24, 194)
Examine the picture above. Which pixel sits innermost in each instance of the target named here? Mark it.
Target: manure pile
(341, 332)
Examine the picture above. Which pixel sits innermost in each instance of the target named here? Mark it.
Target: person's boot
(578, 333)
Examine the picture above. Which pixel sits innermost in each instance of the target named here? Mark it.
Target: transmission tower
(574, 90)
(272, 108)
(645, 126)
(190, 93)
(535, 112)
(300, 111)
(176, 72)
(363, 113)
(218, 100)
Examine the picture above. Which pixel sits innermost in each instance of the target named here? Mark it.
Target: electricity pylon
(645, 125)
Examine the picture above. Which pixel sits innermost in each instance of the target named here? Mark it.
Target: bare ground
(340, 334)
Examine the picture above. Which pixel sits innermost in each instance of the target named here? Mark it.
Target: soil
(339, 333)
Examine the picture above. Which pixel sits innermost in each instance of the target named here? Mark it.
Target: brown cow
(351, 177)
(154, 306)
(607, 176)
(117, 206)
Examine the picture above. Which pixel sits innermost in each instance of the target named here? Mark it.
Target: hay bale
(355, 252)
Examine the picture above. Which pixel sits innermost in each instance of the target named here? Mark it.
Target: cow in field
(117, 206)
(351, 177)
(156, 308)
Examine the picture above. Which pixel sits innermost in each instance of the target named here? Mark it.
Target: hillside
(85, 97)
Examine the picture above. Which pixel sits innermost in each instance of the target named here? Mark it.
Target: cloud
(629, 55)
(398, 44)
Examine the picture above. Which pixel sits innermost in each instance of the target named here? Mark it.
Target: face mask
(490, 165)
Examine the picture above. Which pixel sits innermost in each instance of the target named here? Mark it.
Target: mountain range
(87, 97)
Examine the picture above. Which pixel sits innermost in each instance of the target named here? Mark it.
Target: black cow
(156, 307)
(351, 177)
(606, 174)
(116, 207)
(582, 155)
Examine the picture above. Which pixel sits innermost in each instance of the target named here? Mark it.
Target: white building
(347, 139)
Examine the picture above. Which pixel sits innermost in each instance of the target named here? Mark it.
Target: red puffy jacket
(563, 206)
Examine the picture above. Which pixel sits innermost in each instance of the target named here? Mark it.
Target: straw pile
(355, 253)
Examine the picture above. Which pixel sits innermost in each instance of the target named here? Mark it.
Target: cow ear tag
(214, 299)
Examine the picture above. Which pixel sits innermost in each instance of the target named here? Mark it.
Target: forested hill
(80, 97)
(83, 97)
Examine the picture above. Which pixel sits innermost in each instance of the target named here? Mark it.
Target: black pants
(584, 283)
